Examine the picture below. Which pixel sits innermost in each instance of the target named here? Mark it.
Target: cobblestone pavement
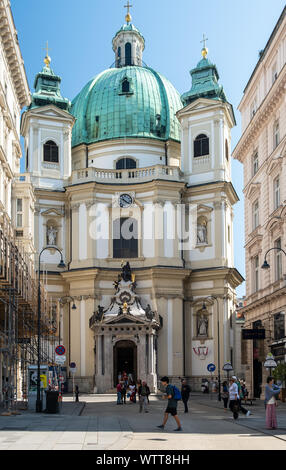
(98, 423)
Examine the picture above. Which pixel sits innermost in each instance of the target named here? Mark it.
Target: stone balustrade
(132, 176)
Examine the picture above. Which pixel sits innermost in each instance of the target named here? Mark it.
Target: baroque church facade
(132, 183)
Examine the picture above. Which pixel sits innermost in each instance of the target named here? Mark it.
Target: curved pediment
(274, 166)
(253, 190)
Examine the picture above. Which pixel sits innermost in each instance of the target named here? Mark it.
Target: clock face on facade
(125, 200)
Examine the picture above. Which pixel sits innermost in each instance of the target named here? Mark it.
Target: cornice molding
(9, 39)
(263, 114)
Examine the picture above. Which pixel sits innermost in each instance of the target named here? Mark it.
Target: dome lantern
(128, 44)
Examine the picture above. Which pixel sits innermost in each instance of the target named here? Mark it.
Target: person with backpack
(185, 392)
(225, 395)
(240, 397)
(173, 394)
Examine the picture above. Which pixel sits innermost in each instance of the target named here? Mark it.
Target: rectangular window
(19, 213)
(276, 134)
(278, 260)
(255, 163)
(255, 273)
(125, 238)
(279, 326)
(276, 189)
(255, 214)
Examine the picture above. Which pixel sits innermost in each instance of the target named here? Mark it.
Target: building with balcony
(132, 182)
(261, 150)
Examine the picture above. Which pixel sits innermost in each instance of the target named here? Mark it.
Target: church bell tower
(47, 127)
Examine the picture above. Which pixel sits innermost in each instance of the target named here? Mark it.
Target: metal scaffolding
(18, 318)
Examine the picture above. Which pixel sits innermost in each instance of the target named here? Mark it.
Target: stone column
(75, 233)
(82, 338)
(152, 376)
(108, 362)
(141, 358)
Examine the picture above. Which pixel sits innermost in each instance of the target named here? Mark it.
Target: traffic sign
(60, 350)
(60, 359)
(73, 370)
(211, 367)
(72, 365)
(227, 366)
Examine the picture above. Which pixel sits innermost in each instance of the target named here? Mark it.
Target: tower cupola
(128, 43)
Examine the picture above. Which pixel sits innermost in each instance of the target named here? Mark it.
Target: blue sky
(80, 35)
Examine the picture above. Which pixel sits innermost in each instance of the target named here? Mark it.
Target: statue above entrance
(125, 305)
(126, 272)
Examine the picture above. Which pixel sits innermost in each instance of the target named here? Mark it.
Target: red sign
(60, 350)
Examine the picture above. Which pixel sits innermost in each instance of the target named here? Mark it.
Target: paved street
(97, 423)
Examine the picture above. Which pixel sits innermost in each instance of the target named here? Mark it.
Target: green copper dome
(123, 102)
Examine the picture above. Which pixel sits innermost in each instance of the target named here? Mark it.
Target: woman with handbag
(271, 390)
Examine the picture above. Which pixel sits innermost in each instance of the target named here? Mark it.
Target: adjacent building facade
(262, 151)
(18, 283)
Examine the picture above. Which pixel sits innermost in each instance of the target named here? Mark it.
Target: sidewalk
(68, 407)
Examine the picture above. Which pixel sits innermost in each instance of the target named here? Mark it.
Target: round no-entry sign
(60, 350)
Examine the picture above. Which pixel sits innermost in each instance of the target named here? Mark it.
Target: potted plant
(280, 374)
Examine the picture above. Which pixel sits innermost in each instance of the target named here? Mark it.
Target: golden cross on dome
(128, 17)
(47, 59)
(204, 49)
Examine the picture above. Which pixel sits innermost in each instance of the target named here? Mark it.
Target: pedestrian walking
(225, 395)
(118, 388)
(76, 393)
(185, 392)
(233, 398)
(271, 391)
(143, 394)
(240, 397)
(172, 404)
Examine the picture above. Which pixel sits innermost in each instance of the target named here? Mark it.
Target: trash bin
(52, 401)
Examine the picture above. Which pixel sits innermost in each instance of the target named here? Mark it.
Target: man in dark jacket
(185, 392)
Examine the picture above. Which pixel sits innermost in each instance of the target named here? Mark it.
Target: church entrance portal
(125, 359)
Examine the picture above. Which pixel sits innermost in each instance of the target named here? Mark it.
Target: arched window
(201, 145)
(125, 238)
(125, 86)
(128, 53)
(51, 152)
(125, 164)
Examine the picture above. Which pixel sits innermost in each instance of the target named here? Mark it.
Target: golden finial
(204, 49)
(128, 17)
(47, 59)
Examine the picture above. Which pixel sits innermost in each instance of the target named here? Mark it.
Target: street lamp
(60, 265)
(266, 265)
(213, 297)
